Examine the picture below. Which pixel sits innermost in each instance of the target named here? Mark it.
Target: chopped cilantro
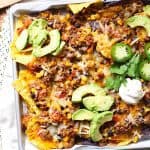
(114, 82)
(133, 66)
(121, 71)
(118, 69)
(109, 83)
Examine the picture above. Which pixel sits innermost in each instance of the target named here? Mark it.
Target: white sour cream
(131, 92)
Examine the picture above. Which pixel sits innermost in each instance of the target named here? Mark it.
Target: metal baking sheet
(37, 6)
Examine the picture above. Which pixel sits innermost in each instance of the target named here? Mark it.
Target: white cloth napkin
(8, 131)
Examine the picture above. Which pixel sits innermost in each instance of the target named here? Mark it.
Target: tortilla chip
(43, 145)
(32, 131)
(19, 56)
(76, 8)
(22, 87)
(128, 141)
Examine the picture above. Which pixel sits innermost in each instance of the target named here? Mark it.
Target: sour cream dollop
(131, 92)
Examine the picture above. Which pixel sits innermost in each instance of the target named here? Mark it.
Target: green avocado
(51, 47)
(98, 120)
(58, 50)
(82, 114)
(138, 20)
(147, 10)
(39, 23)
(87, 89)
(37, 37)
(22, 39)
(98, 103)
(37, 32)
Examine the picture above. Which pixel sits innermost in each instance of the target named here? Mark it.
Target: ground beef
(44, 134)
(56, 116)
(69, 131)
(147, 119)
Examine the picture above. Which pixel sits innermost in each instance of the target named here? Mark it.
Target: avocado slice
(98, 103)
(37, 37)
(54, 43)
(39, 23)
(138, 20)
(58, 50)
(84, 90)
(147, 10)
(82, 114)
(98, 120)
(22, 39)
(37, 32)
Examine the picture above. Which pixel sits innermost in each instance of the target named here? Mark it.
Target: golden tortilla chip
(43, 145)
(22, 87)
(76, 8)
(33, 130)
(20, 57)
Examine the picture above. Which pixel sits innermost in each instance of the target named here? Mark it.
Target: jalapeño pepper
(121, 52)
(144, 70)
(147, 50)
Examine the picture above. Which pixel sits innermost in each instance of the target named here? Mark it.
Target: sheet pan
(37, 6)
